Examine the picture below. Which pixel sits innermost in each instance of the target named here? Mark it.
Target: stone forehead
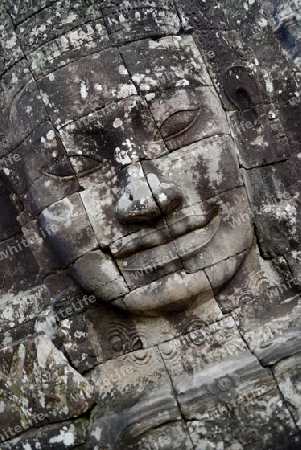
(143, 67)
(52, 34)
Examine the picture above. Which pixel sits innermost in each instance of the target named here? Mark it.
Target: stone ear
(241, 88)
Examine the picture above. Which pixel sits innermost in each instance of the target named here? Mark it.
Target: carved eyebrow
(183, 130)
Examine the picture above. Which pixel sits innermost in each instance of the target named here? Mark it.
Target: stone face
(149, 226)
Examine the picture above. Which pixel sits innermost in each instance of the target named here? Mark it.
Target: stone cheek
(74, 235)
(97, 274)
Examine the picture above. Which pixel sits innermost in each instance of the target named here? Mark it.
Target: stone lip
(202, 228)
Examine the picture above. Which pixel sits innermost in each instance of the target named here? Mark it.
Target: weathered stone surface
(199, 169)
(15, 253)
(85, 40)
(47, 167)
(271, 425)
(132, 21)
(20, 10)
(53, 21)
(235, 223)
(146, 393)
(199, 349)
(100, 202)
(39, 385)
(8, 222)
(269, 320)
(275, 204)
(255, 278)
(80, 91)
(166, 298)
(69, 218)
(260, 137)
(21, 106)
(97, 335)
(294, 259)
(37, 239)
(287, 374)
(284, 17)
(149, 265)
(24, 331)
(10, 50)
(172, 61)
(66, 435)
(170, 293)
(233, 380)
(17, 309)
(199, 313)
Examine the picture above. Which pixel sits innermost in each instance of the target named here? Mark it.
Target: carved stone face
(145, 196)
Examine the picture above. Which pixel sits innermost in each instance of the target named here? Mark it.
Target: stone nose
(144, 197)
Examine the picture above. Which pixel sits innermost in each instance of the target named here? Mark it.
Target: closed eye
(62, 169)
(178, 123)
(59, 169)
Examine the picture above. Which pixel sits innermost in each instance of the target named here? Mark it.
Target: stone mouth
(184, 246)
(127, 246)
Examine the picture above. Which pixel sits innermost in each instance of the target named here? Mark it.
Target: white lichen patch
(50, 135)
(83, 90)
(117, 123)
(17, 309)
(65, 437)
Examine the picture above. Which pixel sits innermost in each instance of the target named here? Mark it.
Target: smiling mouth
(191, 235)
